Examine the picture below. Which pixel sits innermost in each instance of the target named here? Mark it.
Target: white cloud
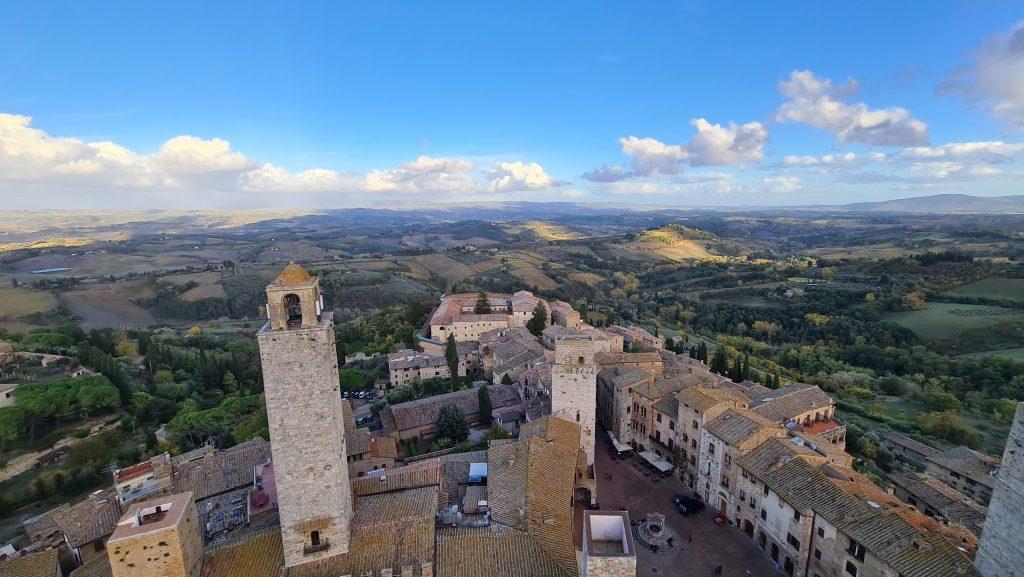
(995, 77)
(782, 184)
(816, 160)
(605, 173)
(200, 172)
(817, 102)
(425, 174)
(717, 145)
(652, 156)
(992, 151)
(191, 155)
(514, 176)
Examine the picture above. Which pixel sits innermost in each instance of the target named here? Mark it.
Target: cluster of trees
(55, 403)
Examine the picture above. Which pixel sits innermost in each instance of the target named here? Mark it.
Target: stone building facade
(1001, 543)
(300, 375)
(574, 386)
(157, 538)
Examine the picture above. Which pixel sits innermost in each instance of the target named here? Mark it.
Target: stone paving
(712, 544)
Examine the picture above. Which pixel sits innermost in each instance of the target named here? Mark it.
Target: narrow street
(712, 544)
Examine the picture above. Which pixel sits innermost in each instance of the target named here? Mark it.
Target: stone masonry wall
(300, 375)
(1002, 543)
(176, 551)
(574, 386)
(611, 566)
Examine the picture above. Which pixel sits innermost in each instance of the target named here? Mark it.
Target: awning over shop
(656, 461)
(620, 447)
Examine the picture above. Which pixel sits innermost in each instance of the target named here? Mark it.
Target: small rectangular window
(764, 514)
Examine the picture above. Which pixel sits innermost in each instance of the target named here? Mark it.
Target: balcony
(321, 546)
(661, 444)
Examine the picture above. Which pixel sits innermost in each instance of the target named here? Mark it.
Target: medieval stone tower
(300, 376)
(999, 554)
(574, 385)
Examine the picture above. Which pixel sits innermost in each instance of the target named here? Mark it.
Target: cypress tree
(451, 356)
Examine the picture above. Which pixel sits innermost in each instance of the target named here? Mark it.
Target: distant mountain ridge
(939, 203)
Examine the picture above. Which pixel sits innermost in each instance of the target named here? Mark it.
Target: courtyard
(712, 544)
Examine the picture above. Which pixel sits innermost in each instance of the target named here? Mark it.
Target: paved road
(712, 544)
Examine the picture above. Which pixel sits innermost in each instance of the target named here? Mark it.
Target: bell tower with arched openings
(300, 382)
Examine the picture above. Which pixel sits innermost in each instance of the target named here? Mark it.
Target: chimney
(427, 569)
(406, 570)
(386, 572)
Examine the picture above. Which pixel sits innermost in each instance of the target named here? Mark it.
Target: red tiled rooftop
(133, 471)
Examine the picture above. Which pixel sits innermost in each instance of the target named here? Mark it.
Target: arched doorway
(788, 566)
(748, 528)
(775, 552)
(292, 309)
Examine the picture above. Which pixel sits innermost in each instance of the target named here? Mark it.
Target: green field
(944, 320)
(993, 288)
(1015, 354)
(16, 302)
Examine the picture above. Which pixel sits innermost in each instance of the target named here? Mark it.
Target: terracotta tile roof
(736, 426)
(395, 506)
(414, 360)
(385, 447)
(912, 544)
(133, 471)
(789, 402)
(292, 274)
(668, 405)
(944, 500)
(90, 519)
(222, 471)
(423, 412)
(377, 546)
(496, 552)
(623, 378)
(420, 474)
(98, 566)
(357, 440)
(773, 452)
(968, 463)
(667, 385)
(260, 556)
(912, 444)
(524, 358)
(626, 358)
(702, 398)
(41, 564)
(531, 481)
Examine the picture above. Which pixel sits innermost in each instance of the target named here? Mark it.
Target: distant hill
(939, 203)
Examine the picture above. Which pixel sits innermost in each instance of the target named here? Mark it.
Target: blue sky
(194, 105)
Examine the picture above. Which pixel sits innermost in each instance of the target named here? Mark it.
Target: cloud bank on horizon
(872, 145)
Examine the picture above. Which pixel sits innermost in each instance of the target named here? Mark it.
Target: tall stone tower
(999, 554)
(574, 385)
(300, 377)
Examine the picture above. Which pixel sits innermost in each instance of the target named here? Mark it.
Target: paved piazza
(712, 545)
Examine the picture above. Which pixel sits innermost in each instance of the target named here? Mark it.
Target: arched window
(292, 309)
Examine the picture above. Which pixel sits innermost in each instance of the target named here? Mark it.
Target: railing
(321, 546)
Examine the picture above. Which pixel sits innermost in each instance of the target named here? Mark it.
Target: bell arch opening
(292, 309)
